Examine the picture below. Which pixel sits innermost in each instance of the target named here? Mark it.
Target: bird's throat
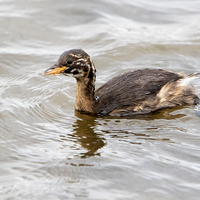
(85, 90)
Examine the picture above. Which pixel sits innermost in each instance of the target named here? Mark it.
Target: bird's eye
(69, 62)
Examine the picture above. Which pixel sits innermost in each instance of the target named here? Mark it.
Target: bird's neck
(85, 98)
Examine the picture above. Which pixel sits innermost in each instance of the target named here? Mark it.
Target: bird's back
(126, 92)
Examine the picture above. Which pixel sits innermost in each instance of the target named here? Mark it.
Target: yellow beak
(55, 70)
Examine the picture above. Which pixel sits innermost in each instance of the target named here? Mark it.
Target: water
(49, 151)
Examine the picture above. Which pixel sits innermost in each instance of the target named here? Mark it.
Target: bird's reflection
(167, 113)
(84, 129)
(85, 125)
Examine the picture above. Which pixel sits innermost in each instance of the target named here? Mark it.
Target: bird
(140, 91)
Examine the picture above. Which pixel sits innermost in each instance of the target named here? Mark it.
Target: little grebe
(137, 92)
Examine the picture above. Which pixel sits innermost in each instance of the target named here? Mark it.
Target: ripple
(48, 150)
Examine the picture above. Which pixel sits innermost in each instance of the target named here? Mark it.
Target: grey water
(50, 151)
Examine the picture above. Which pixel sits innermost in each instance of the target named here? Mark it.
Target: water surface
(49, 151)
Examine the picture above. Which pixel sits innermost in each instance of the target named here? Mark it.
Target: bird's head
(76, 63)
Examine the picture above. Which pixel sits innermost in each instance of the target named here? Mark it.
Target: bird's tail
(189, 78)
(194, 74)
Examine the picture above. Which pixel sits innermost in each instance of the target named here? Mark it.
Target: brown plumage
(137, 92)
